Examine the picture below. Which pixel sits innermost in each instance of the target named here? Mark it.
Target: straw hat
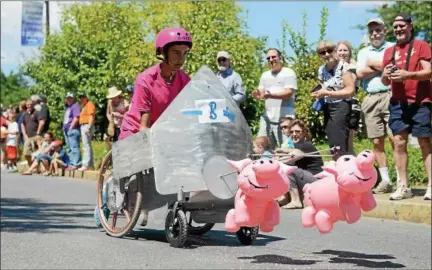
(113, 92)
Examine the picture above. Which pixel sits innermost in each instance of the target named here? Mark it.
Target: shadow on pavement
(278, 259)
(212, 238)
(30, 215)
(361, 259)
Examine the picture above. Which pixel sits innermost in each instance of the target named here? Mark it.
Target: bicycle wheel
(129, 210)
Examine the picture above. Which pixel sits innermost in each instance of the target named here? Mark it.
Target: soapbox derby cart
(177, 170)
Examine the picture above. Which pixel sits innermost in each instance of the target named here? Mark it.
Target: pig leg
(271, 217)
(324, 222)
(308, 216)
(230, 224)
(350, 211)
(368, 202)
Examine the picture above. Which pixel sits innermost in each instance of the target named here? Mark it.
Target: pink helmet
(171, 35)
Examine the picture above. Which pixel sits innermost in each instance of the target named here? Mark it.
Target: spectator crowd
(396, 77)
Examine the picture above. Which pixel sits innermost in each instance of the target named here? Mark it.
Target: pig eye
(254, 162)
(364, 155)
(346, 159)
(262, 162)
(367, 151)
(271, 162)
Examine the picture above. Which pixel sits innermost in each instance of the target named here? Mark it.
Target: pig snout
(365, 159)
(265, 168)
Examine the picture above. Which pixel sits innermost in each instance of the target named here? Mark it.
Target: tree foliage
(13, 89)
(420, 10)
(109, 43)
(305, 62)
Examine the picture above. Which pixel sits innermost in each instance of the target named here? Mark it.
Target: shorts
(416, 118)
(41, 157)
(376, 114)
(11, 152)
(30, 146)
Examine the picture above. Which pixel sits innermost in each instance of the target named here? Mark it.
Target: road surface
(48, 223)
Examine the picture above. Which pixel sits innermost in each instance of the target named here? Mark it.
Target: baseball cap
(69, 94)
(376, 20)
(223, 54)
(405, 17)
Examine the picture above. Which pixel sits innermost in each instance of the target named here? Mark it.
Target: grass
(416, 170)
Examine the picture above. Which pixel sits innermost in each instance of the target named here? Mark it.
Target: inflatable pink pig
(260, 183)
(342, 194)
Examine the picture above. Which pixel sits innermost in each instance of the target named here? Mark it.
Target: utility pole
(47, 24)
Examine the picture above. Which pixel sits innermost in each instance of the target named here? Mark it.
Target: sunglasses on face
(295, 131)
(395, 27)
(271, 57)
(329, 51)
(221, 60)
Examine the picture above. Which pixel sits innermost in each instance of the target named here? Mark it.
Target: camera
(394, 68)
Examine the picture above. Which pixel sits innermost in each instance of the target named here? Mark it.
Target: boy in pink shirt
(158, 86)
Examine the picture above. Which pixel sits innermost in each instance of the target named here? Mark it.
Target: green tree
(305, 62)
(13, 89)
(105, 44)
(420, 10)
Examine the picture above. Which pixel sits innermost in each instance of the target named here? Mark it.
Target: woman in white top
(344, 53)
(117, 107)
(337, 89)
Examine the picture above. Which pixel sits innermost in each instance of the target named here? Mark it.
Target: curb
(414, 210)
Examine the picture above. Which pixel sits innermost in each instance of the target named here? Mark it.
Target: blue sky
(264, 19)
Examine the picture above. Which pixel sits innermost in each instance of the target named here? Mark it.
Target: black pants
(116, 134)
(337, 123)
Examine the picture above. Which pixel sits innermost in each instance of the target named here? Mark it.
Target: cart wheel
(200, 230)
(176, 228)
(247, 235)
(130, 209)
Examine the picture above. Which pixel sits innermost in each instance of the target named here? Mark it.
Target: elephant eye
(346, 159)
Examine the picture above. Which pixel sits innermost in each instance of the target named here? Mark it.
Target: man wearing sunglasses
(375, 106)
(229, 78)
(407, 69)
(277, 88)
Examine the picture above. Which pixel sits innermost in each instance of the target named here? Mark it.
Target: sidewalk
(414, 210)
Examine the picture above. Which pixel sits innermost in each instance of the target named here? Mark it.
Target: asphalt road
(47, 223)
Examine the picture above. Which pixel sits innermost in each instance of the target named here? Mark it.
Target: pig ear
(331, 168)
(287, 169)
(239, 165)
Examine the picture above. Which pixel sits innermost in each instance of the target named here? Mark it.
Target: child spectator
(287, 142)
(44, 155)
(12, 141)
(261, 146)
(60, 158)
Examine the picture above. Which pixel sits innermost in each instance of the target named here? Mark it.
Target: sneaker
(402, 192)
(144, 214)
(383, 187)
(428, 195)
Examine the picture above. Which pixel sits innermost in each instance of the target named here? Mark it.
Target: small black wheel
(247, 235)
(200, 230)
(176, 228)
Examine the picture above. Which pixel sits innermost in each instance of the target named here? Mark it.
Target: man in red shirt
(407, 67)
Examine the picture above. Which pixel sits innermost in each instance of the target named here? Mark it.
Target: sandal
(26, 173)
(292, 206)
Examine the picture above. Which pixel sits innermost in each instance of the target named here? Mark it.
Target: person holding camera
(407, 68)
(336, 90)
